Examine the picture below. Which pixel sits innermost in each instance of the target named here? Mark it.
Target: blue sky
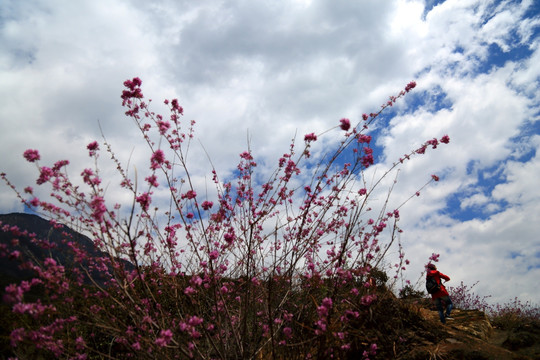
(275, 68)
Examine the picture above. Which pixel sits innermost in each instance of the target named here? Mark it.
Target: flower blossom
(206, 205)
(310, 137)
(45, 174)
(98, 208)
(165, 337)
(410, 86)
(92, 148)
(163, 126)
(345, 124)
(158, 158)
(152, 180)
(144, 200)
(213, 255)
(287, 331)
(31, 155)
(364, 138)
(191, 194)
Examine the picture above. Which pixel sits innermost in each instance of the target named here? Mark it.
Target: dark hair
(432, 267)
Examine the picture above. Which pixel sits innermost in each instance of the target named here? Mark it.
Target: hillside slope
(471, 336)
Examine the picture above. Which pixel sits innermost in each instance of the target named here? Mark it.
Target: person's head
(431, 266)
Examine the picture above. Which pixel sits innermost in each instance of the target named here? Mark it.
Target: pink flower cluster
(31, 155)
(133, 90)
(165, 337)
(345, 124)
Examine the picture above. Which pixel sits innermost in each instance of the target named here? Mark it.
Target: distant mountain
(43, 230)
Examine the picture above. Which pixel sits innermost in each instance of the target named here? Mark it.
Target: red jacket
(438, 275)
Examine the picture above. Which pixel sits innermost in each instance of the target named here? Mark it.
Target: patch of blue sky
(475, 200)
(533, 11)
(480, 211)
(432, 100)
(523, 149)
(29, 210)
(498, 58)
(515, 254)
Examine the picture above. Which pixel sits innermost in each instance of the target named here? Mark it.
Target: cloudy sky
(265, 70)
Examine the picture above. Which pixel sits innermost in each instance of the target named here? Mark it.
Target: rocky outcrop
(472, 336)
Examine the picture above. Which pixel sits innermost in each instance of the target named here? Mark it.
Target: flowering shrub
(514, 313)
(282, 268)
(463, 297)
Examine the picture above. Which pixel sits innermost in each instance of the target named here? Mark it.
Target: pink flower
(445, 139)
(373, 349)
(422, 149)
(176, 106)
(93, 146)
(364, 138)
(190, 215)
(189, 290)
(80, 343)
(45, 174)
(287, 331)
(87, 177)
(310, 137)
(163, 126)
(49, 262)
(195, 321)
(213, 255)
(17, 336)
(362, 191)
(133, 92)
(435, 177)
(152, 180)
(365, 117)
(434, 257)
(206, 205)
(368, 299)
(229, 237)
(158, 158)
(98, 208)
(410, 86)
(190, 195)
(144, 200)
(246, 155)
(368, 159)
(164, 338)
(345, 124)
(31, 155)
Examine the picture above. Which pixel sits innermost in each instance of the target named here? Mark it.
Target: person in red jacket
(440, 296)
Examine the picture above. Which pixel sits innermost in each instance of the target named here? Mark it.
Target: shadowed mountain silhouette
(33, 231)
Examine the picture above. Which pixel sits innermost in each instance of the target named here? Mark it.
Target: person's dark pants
(441, 309)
